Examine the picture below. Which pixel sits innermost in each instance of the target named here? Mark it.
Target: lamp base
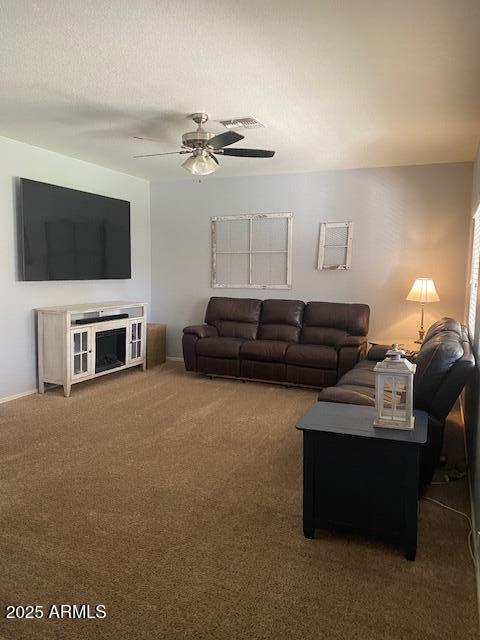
(421, 334)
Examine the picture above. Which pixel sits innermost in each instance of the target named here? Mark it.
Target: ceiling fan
(203, 146)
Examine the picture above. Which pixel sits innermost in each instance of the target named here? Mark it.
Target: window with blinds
(252, 251)
(474, 272)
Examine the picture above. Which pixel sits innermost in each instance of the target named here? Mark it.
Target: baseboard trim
(18, 395)
(476, 554)
(174, 359)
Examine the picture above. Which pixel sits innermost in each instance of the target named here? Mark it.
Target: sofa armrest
(202, 330)
(351, 349)
(352, 341)
(378, 352)
(345, 396)
(191, 335)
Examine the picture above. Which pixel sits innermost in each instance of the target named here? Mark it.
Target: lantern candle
(394, 391)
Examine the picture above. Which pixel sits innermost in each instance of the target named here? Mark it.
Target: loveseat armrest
(351, 349)
(345, 396)
(201, 330)
(352, 341)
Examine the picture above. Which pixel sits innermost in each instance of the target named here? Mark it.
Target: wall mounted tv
(71, 235)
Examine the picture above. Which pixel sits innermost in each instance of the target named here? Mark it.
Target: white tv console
(69, 352)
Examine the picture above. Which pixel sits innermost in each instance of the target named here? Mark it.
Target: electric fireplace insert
(110, 349)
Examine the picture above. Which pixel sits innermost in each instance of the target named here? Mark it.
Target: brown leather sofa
(286, 341)
(444, 364)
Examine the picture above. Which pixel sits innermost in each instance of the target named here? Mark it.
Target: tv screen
(72, 235)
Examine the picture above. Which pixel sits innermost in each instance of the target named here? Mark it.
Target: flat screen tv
(71, 235)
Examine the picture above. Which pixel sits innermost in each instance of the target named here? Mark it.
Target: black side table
(357, 476)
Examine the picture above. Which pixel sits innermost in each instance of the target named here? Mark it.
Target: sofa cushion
(235, 309)
(352, 318)
(282, 312)
(281, 320)
(234, 317)
(308, 355)
(362, 375)
(242, 330)
(322, 335)
(264, 350)
(219, 347)
(282, 332)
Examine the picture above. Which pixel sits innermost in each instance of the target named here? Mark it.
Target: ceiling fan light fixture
(200, 164)
(202, 146)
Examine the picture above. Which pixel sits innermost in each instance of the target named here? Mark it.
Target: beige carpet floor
(175, 501)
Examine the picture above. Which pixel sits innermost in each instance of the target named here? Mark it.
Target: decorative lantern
(394, 391)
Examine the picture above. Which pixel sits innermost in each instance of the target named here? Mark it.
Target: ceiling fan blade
(224, 139)
(248, 153)
(213, 158)
(168, 153)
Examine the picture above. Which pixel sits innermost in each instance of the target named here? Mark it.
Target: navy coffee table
(357, 476)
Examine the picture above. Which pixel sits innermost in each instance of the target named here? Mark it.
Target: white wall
(409, 222)
(18, 299)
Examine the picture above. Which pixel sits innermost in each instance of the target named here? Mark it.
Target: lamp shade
(200, 165)
(423, 290)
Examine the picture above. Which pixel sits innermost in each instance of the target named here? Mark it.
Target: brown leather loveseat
(287, 341)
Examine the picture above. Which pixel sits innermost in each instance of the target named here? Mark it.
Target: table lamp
(423, 290)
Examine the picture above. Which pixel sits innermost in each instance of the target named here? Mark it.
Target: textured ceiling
(357, 83)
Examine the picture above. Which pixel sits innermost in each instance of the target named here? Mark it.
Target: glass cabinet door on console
(81, 353)
(136, 340)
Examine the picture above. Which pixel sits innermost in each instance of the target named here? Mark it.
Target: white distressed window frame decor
(323, 244)
(251, 252)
